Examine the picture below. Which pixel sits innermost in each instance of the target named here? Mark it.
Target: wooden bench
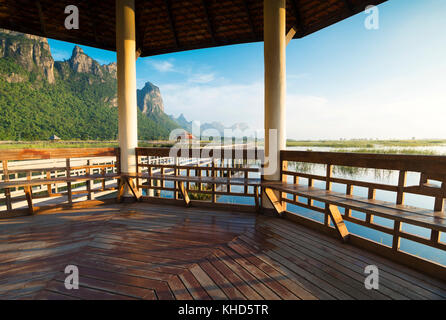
(28, 184)
(429, 169)
(17, 176)
(181, 180)
(429, 219)
(214, 167)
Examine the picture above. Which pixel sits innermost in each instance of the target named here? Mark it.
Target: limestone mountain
(237, 129)
(30, 53)
(150, 100)
(74, 99)
(82, 63)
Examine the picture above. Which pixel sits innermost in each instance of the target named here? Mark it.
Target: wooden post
(184, 193)
(296, 181)
(88, 182)
(256, 198)
(29, 198)
(439, 201)
(187, 183)
(68, 173)
(401, 184)
(127, 104)
(338, 222)
(396, 235)
(177, 173)
(274, 200)
(214, 186)
(372, 193)
(7, 190)
(283, 177)
(103, 171)
(274, 21)
(198, 171)
(310, 184)
(435, 236)
(349, 192)
(48, 186)
(229, 176)
(328, 188)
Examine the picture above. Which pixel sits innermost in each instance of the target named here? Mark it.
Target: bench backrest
(429, 167)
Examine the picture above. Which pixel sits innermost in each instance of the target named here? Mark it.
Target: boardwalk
(146, 251)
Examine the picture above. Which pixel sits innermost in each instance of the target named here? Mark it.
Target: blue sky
(342, 82)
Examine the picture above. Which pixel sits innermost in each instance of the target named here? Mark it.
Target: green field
(76, 144)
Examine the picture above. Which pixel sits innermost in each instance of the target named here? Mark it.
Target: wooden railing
(46, 164)
(198, 163)
(429, 169)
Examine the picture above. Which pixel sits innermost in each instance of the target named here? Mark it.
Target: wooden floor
(145, 251)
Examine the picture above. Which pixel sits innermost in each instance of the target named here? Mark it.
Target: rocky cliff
(149, 99)
(30, 52)
(73, 99)
(82, 63)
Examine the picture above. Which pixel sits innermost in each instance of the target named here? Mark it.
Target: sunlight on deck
(144, 251)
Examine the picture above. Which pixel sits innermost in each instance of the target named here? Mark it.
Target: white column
(275, 84)
(126, 58)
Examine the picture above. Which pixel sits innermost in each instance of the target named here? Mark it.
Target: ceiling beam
(42, 20)
(208, 20)
(93, 16)
(13, 13)
(290, 35)
(349, 5)
(251, 23)
(299, 22)
(139, 42)
(171, 22)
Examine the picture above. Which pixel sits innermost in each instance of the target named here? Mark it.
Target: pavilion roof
(165, 26)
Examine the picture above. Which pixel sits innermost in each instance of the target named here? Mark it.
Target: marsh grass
(366, 143)
(392, 151)
(194, 192)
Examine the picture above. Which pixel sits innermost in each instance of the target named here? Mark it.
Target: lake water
(378, 176)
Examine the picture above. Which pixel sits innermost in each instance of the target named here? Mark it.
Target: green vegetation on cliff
(73, 99)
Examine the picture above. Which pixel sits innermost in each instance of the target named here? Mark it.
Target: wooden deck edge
(201, 204)
(430, 268)
(56, 207)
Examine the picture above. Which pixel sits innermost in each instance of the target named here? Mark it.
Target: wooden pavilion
(209, 250)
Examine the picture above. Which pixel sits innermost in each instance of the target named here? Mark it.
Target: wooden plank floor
(146, 251)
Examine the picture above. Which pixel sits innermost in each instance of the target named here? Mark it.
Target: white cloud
(225, 103)
(395, 108)
(202, 78)
(162, 66)
(234, 103)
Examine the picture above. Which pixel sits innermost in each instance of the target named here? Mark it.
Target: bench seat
(403, 213)
(38, 182)
(195, 179)
(28, 184)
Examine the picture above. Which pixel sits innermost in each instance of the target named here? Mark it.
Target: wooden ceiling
(165, 26)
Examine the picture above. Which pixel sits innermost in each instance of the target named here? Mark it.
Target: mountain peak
(149, 99)
(31, 52)
(77, 51)
(82, 63)
(149, 86)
